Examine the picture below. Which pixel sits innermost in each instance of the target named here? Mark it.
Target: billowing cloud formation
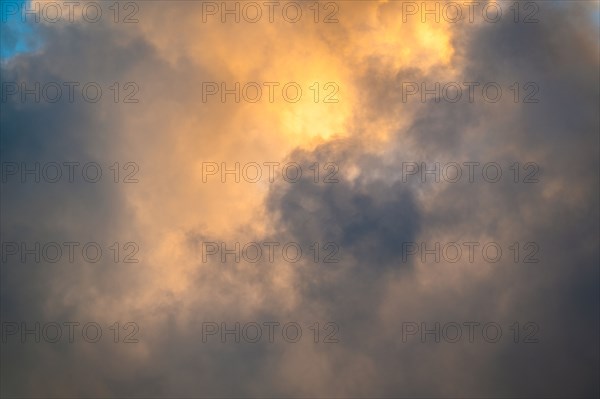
(367, 214)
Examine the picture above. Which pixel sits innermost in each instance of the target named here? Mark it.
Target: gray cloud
(369, 214)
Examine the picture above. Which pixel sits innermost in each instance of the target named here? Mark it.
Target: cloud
(368, 136)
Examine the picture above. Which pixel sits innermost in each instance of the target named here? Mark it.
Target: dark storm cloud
(367, 219)
(45, 212)
(560, 134)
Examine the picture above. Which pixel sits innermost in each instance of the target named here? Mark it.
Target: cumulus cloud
(365, 206)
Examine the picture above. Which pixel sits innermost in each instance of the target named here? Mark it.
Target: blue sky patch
(16, 35)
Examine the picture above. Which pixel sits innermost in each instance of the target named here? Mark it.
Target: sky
(18, 36)
(299, 199)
